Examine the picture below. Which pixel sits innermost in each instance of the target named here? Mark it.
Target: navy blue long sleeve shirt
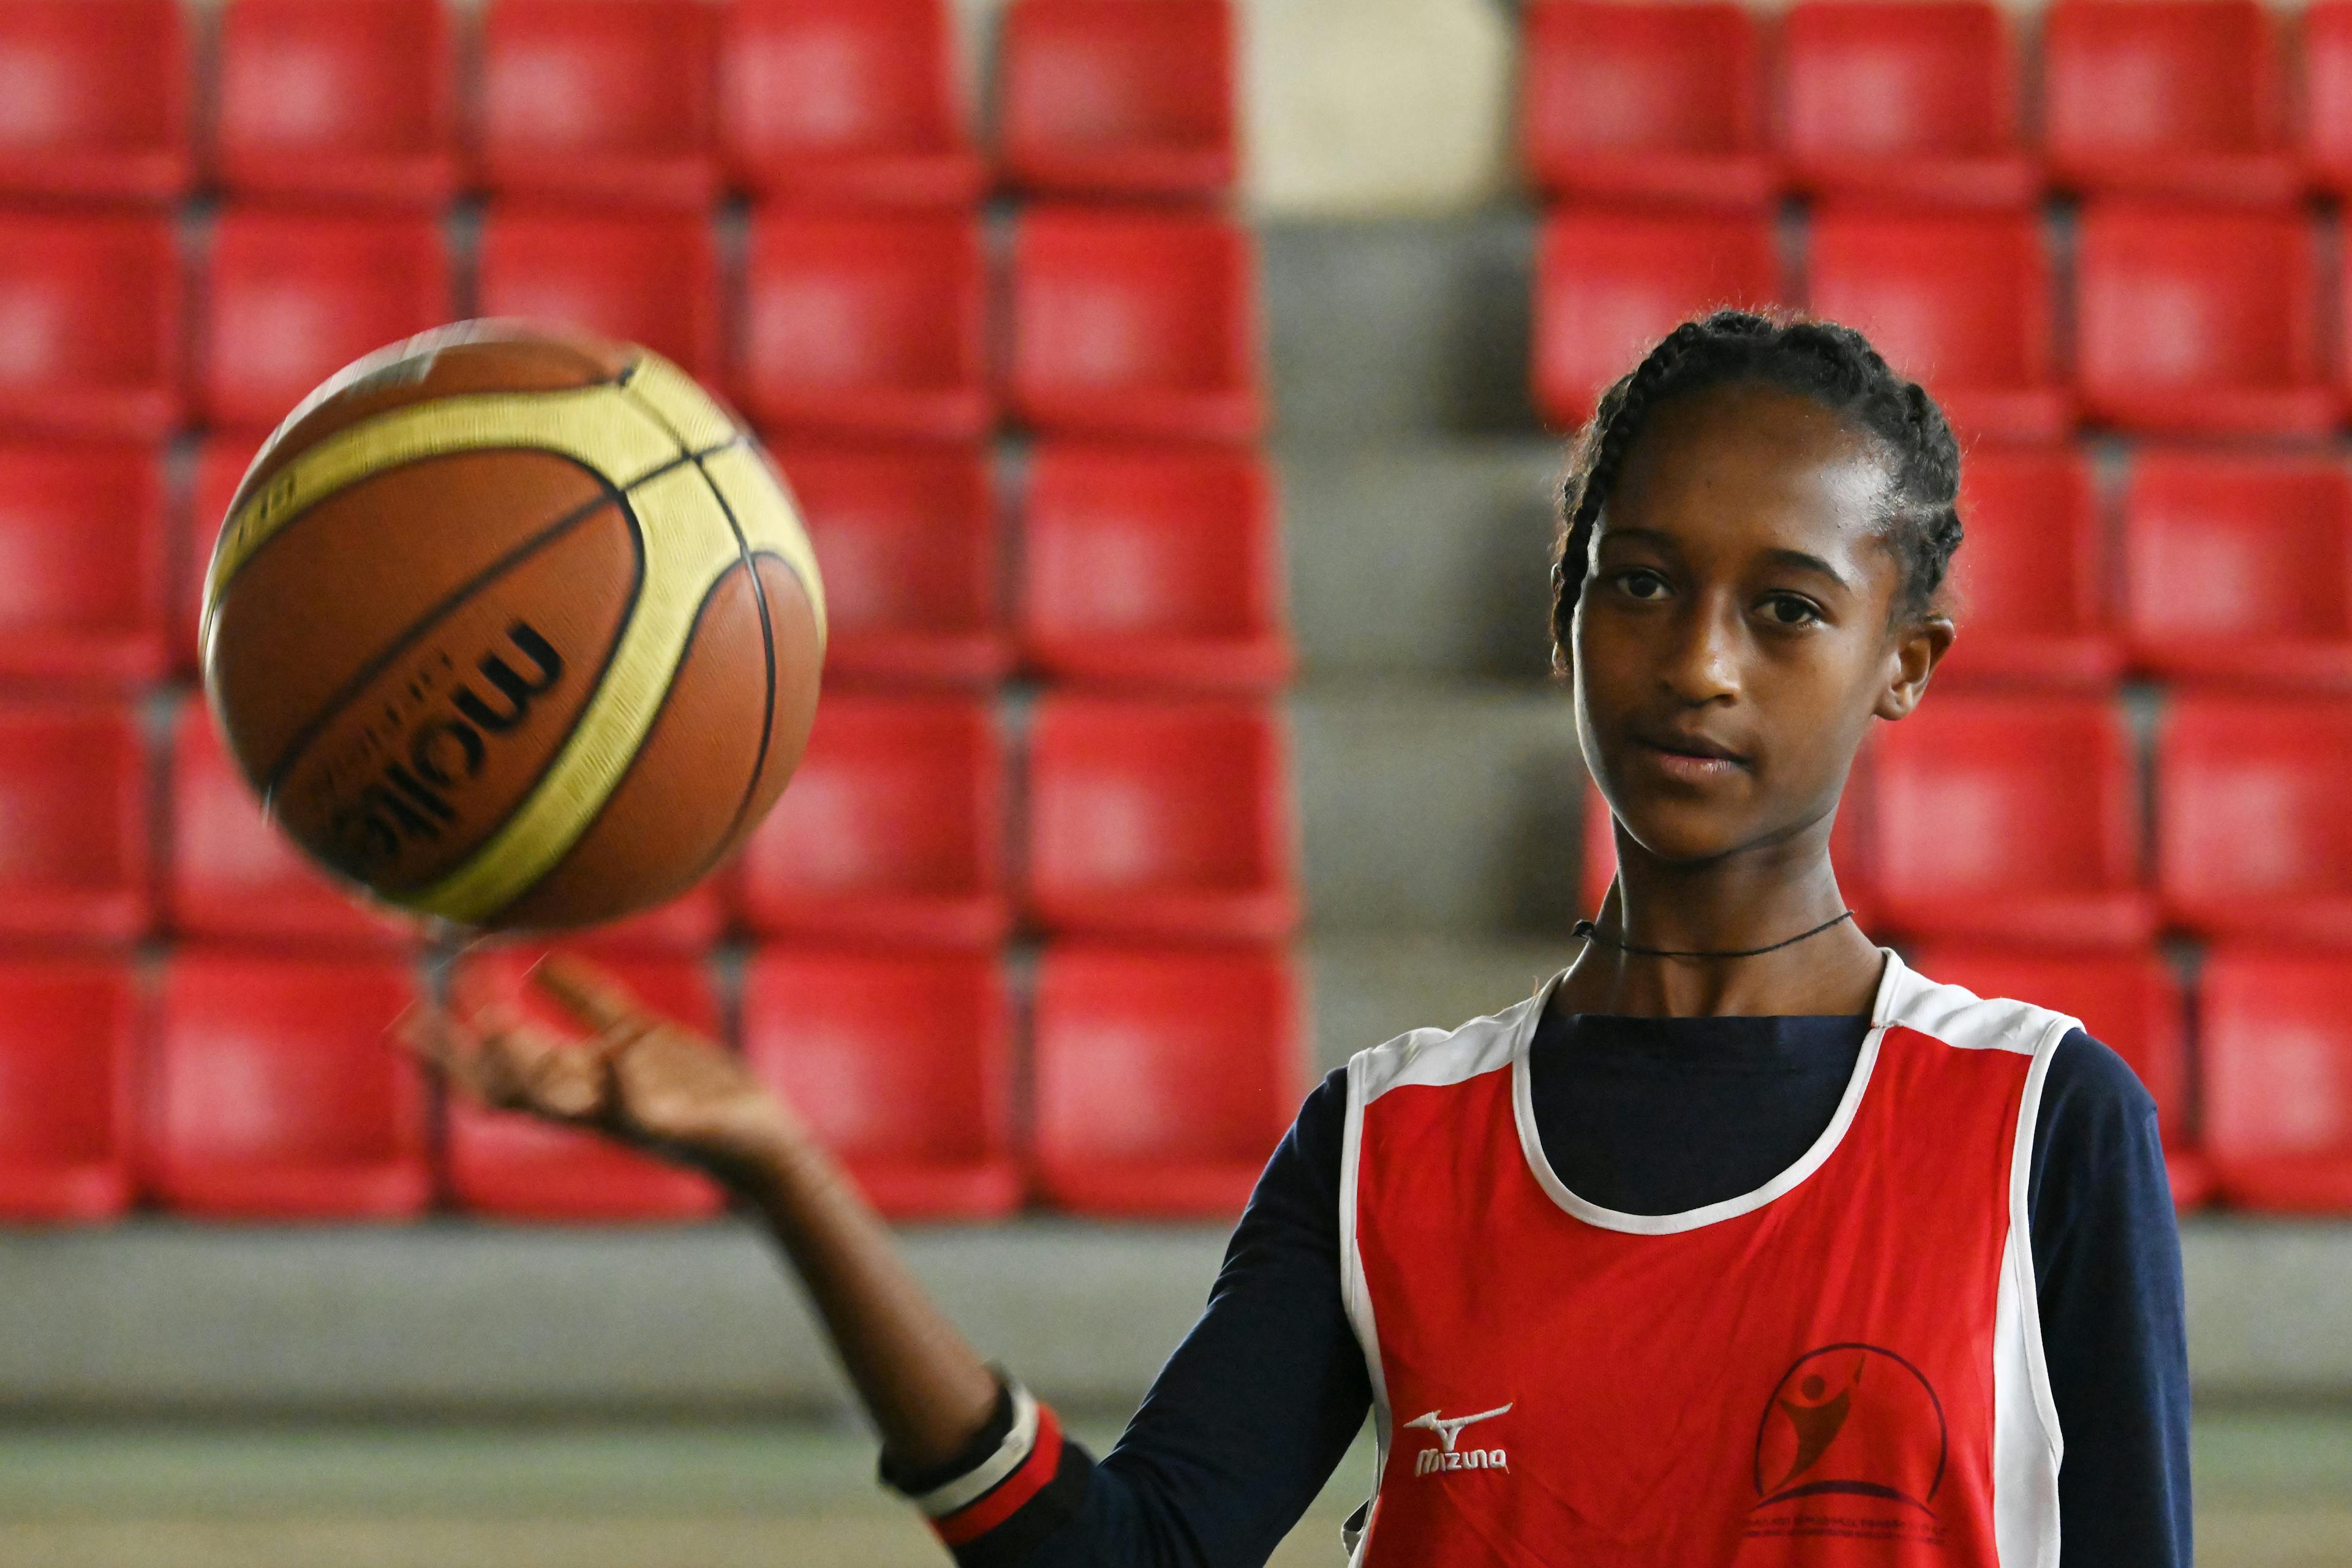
(1257, 1405)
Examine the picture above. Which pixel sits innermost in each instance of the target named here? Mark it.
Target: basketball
(513, 630)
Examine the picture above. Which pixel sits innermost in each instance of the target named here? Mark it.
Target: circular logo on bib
(1852, 1419)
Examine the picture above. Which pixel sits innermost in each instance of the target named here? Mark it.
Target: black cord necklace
(1587, 929)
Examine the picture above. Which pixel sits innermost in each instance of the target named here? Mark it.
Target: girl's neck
(1732, 904)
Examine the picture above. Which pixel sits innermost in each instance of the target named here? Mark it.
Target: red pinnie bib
(1842, 1367)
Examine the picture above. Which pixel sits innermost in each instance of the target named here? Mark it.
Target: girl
(1740, 1242)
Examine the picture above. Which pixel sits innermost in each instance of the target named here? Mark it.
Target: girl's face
(1735, 634)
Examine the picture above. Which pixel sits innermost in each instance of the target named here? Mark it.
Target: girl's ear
(1918, 650)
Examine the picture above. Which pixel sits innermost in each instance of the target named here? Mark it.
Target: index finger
(595, 1000)
(427, 1034)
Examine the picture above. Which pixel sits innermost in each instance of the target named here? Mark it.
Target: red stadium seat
(855, 101)
(95, 103)
(275, 1096)
(1163, 1080)
(1849, 847)
(356, 101)
(2252, 838)
(69, 1035)
(901, 1064)
(235, 874)
(2276, 1054)
(2031, 580)
(2197, 321)
(2328, 95)
(1113, 98)
(1645, 103)
(73, 793)
(893, 830)
(1961, 301)
(89, 325)
(2169, 98)
(221, 463)
(2340, 286)
(868, 325)
(1608, 285)
(293, 297)
(643, 277)
(1914, 103)
(614, 102)
(1162, 819)
(907, 540)
(2130, 1001)
(1136, 324)
(1153, 566)
(2240, 566)
(81, 562)
(2007, 819)
(516, 1167)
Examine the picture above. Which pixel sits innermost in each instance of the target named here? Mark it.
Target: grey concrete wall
(464, 1320)
(1373, 988)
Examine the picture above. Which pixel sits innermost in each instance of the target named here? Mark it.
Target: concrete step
(1427, 558)
(1418, 325)
(1438, 809)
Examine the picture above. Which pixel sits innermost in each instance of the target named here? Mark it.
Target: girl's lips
(1686, 766)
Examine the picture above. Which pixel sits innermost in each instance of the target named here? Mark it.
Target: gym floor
(2274, 1491)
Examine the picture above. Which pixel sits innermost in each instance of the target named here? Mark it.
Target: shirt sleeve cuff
(998, 1454)
(982, 1446)
(1017, 1483)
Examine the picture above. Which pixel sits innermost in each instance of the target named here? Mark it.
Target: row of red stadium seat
(1982, 816)
(2234, 567)
(109, 1098)
(1119, 322)
(261, 1087)
(2272, 1090)
(1153, 820)
(634, 103)
(1137, 566)
(1714, 104)
(2185, 319)
(1145, 566)
(2021, 820)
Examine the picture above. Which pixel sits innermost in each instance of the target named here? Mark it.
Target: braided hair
(1832, 364)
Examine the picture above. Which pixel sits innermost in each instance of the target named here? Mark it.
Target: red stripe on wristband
(1044, 1459)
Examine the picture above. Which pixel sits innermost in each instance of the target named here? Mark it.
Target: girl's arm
(2106, 1263)
(1238, 1434)
(641, 1079)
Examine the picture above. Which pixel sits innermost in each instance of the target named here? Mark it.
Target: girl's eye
(1640, 585)
(1789, 610)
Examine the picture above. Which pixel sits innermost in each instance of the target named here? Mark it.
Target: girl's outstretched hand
(658, 1085)
(636, 1076)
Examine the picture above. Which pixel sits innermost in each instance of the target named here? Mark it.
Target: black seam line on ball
(579, 715)
(767, 647)
(279, 534)
(280, 531)
(767, 719)
(625, 381)
(686, 645)
(343, 695)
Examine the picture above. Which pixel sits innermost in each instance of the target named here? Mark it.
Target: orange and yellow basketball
(514, 629)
